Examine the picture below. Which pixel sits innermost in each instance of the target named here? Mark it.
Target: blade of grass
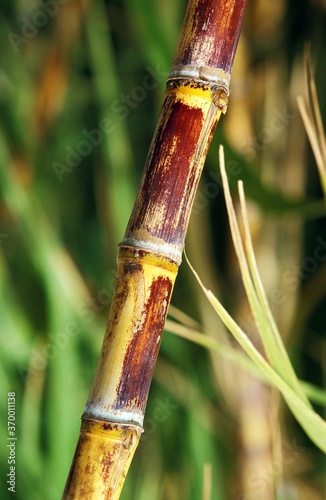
(312, 121)
(315, 394)
(283, 377)
(212, 344)
(313, 102)
(280, 351)
(313, 139)
(272, 349)
(311, 422)
(183, 318)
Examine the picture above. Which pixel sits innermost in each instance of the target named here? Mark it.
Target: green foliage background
(98, 70)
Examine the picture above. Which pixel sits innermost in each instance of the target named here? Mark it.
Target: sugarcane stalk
(151, 250)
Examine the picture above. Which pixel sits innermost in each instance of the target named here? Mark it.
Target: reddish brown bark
(210, 34)
(141, 355)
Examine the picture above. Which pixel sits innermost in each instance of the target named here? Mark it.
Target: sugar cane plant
(151, 250)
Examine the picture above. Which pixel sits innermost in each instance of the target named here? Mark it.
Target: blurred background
(81, 84)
